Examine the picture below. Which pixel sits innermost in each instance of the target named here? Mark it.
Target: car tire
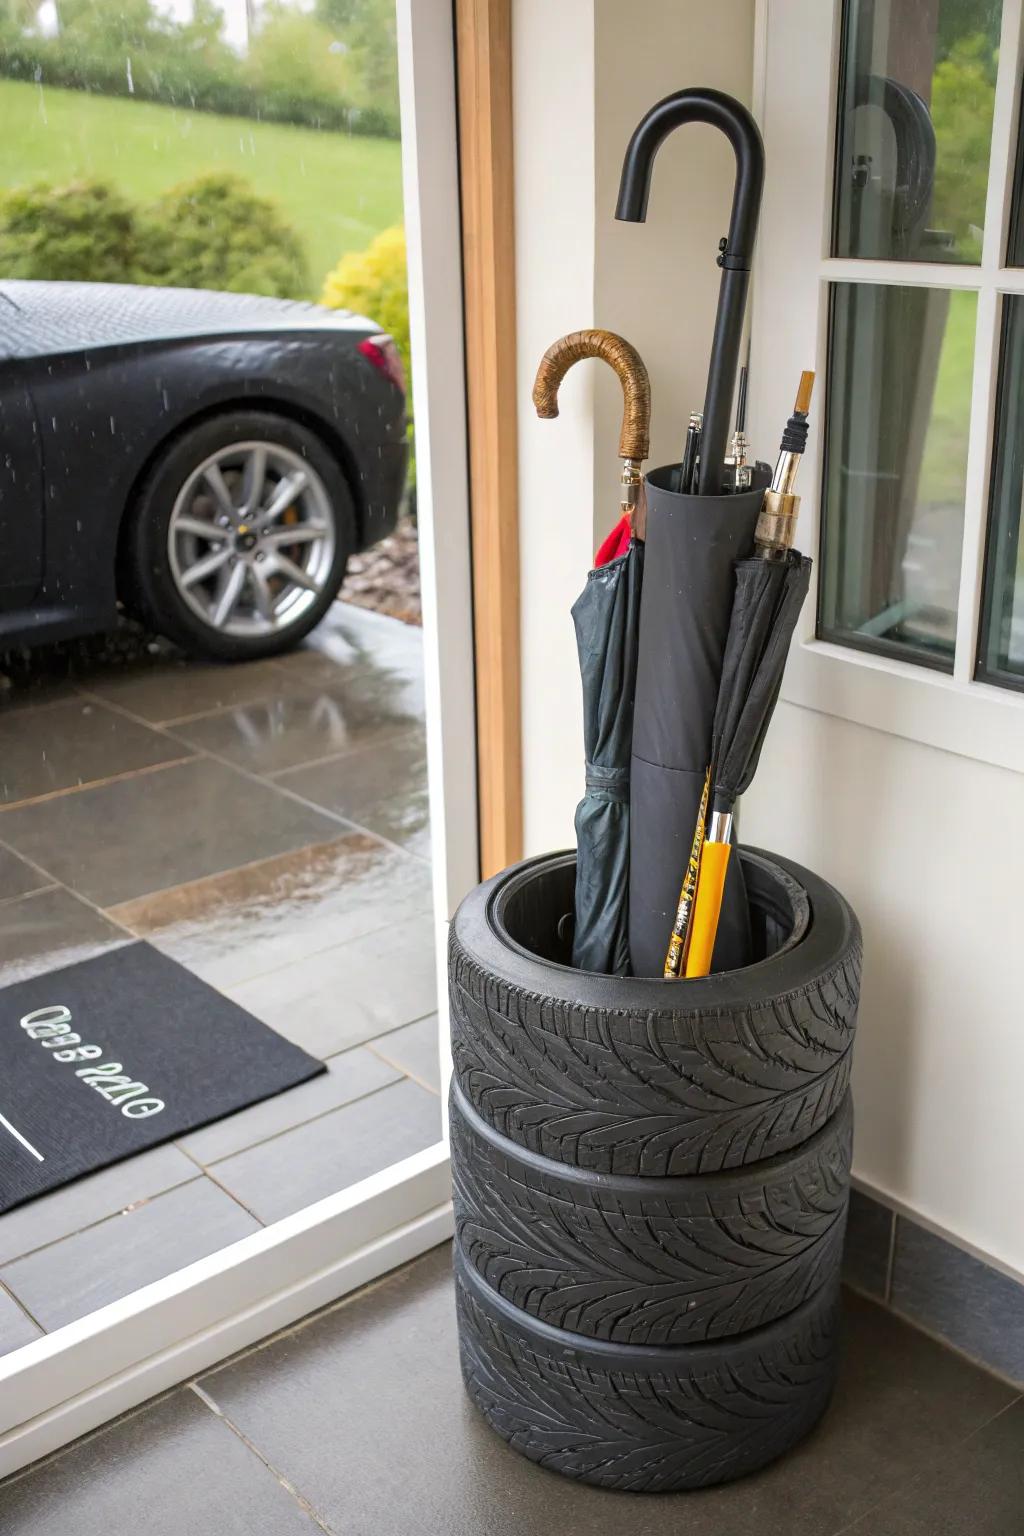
(638, 1076)
(650, 1261)
(146, 580)
(645, 1419)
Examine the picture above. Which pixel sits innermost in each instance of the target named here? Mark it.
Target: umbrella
(769, 593)
(692, 545)
(606, 619)
(769, 596)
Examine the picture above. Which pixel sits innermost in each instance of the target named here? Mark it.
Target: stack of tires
(651, 1181)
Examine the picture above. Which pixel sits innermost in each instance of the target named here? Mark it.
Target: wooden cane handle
(634, 439)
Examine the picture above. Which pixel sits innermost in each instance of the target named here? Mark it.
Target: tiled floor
(267, 826)
(355, 1424)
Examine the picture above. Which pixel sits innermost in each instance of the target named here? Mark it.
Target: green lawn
(337, 190)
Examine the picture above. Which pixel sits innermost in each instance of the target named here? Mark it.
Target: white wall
(926, 845)
(585, 72)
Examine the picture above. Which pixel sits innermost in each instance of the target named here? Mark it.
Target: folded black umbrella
(693, 544)
(769, 596)
(606, 616)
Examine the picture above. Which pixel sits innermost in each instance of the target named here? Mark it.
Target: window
(891, 258)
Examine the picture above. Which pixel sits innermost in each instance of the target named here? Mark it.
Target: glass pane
(900, 364)
(1001, 652)
(917, 87)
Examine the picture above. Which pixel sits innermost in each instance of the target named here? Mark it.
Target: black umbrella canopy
(769, 596)
(606, 617)
(693, 545)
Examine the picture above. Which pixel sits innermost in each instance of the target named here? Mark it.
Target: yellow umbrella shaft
(707, 906)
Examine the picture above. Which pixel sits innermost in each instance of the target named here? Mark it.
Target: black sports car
(210, 460)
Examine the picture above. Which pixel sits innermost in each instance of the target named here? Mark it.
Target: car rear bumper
(386, 469)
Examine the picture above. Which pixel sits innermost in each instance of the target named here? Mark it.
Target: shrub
(85, 231)
(374, 283)
(216, 232)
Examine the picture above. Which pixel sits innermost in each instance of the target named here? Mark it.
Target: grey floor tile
(231, 927)
(349, 1076)
(977, 1492)
(368, 1377)
(298, 727)
(869, 1227)
(173, 1469)
(71, 744)
(414, 1049)
(347, 995)
(86, 1201)
(329, 1154)
(42, 932)
(975, 1307)
(173, 825)
(350, 636)
(16, 1328)
(73, 1277)
(383, 787)
(168, 686)
(18, 878)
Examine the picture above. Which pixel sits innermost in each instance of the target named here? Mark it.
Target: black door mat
(116, 1054)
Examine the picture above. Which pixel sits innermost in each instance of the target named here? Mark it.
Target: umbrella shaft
(725, 355)
(720, 827)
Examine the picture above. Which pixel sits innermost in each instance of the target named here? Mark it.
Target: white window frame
(83, 1374)
(796, 70)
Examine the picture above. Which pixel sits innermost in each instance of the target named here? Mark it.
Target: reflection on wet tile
(86, 1201)
(53, 928)
(16, 1328)
(382, 787)
(316, 1160)
(70, 744)
(143, 834)
(73, 1277)
(350, 1076)
(18, 878)
(229, 928)
(415, 1049)
(346, 995)
(167, 686)
(298, 727)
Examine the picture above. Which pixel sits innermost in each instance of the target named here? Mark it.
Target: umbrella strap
(612, 781)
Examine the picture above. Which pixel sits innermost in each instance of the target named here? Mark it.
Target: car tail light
(383, 354)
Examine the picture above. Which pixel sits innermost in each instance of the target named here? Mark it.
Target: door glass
(1001, 651)
(917, 87)
(215, 855)
(899, 400)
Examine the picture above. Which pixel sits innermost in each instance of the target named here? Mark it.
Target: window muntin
(1001, 640)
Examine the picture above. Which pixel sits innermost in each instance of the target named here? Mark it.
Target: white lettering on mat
(51, 1027)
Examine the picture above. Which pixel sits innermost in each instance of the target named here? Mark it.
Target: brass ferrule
(631, 501)
(784, 478)
(776, 521)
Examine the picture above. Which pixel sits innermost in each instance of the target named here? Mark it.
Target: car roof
(39, 319)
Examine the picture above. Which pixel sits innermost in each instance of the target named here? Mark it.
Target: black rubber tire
(145, 583)
(650, 1261)
(646, 1420)
(639, 1076)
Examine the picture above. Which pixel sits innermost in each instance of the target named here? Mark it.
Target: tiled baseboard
(930, 1281)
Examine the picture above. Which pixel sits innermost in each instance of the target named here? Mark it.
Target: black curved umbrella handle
(735, 251)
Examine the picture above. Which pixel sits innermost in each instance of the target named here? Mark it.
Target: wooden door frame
(483, 35)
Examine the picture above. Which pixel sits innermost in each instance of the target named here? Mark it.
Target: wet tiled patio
(355, 1424)
(267, 826)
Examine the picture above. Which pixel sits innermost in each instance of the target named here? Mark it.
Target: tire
(650, 1262)
(630, 1075)
(646, 1420)
(147, 577)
